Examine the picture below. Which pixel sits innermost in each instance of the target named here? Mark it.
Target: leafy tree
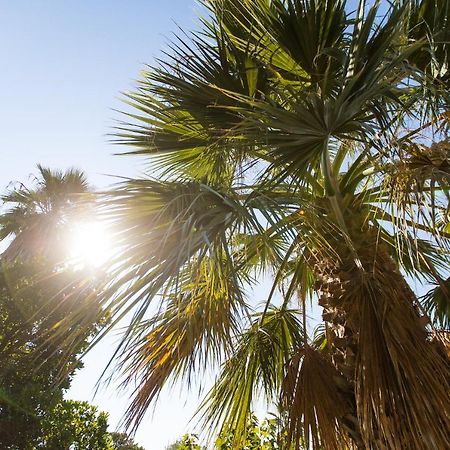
(187, 442)
(75, 425)
(32, 378)
(121, 441)
(267, 435)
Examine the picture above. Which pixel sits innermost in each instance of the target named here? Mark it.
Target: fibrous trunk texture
(397, 375)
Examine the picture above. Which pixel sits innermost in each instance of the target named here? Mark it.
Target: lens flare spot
(89, 244)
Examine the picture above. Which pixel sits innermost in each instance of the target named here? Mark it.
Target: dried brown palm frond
(420, 167)
(315, 401)
(418, 184)
(401, 382)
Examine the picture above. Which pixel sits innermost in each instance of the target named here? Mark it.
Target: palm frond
(195, 329)
(437, 303)
(314, 402)
(159, 227)
(256, 365)
(36, 217)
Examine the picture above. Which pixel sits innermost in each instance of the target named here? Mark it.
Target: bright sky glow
(89, 244)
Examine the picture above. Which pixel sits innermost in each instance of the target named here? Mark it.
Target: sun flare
(89, 244)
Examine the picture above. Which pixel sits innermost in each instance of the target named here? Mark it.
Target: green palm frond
(159, 227)
(186, 118)
(419, 258)
(193, 330)
(256, 366)
(428, 21)
(437, 303)
(294, 39)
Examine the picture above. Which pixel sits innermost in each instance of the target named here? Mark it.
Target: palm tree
(300, 141)
(35, 227)
(37, 219)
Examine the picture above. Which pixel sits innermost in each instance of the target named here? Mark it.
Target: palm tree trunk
(397, 375)
(342, 341)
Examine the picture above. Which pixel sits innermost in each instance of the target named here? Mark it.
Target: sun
(89, 244)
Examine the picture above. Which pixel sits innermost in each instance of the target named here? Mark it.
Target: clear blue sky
(64, 64)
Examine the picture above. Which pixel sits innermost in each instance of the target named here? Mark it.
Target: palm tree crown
(36, 218)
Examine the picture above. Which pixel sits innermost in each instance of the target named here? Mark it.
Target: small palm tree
(35, 226)
(36, 219)
(299, 141)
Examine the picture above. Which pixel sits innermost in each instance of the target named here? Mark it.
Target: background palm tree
(300, 141)
(37, 219)
(36, 225)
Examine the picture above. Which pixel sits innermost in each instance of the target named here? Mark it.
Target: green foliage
(35, 366)
(27, 393)
(121, 441)
(187, 442)
(75, 425)
(267, 435)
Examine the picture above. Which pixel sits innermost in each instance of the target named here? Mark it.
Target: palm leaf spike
(356, 32)
(331, 188)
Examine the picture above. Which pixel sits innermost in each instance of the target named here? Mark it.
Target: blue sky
(64, 64)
